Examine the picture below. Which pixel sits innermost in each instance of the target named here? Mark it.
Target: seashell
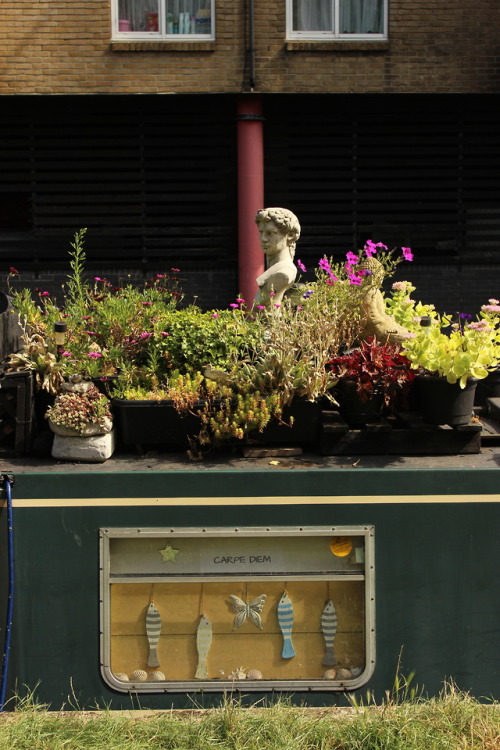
(344, 674)
(238, 674)
(156, 676)
(121, 676)
(330, 674)
(139, 675)
(355, 671)
(254, 674)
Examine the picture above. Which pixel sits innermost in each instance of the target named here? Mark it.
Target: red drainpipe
(250, 192)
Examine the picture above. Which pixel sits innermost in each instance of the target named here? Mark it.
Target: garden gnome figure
(374, 319)
(279, 230)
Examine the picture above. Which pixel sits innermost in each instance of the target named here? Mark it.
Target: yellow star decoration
(169, 553)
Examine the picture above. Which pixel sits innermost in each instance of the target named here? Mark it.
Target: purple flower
(407, 253)
(465, 316)
(307, 294)
(301, 266)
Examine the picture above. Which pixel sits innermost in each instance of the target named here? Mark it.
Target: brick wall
(63, 46)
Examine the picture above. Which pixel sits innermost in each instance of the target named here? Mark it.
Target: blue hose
(10, 601)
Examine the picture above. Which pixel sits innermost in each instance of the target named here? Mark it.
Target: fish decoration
(329, 629)
(243, 610)
(285, 621)
(203, 643)
(153, 630)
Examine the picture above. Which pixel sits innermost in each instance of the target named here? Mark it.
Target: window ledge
(337, 45)
(162, 46)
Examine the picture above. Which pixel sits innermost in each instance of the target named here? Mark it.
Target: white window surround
(331, 21)
(166, 31)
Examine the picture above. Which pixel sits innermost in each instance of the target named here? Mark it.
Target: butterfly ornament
(251, 610)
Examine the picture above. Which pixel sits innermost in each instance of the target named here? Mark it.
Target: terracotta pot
(441, 402)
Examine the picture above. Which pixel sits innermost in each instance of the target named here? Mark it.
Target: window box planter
(305, 429)
(154, 423)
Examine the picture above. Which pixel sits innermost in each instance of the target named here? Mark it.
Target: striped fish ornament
(285, 621)
(329, 629)
(153, 630)
(203, 643)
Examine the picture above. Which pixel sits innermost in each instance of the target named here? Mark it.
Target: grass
(404, 720)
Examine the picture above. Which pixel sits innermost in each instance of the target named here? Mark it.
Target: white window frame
(332, 35)
(161, 34)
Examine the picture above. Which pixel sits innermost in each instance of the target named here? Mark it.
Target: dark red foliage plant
(375, 368)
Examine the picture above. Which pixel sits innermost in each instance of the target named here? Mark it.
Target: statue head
(285, 221)
(376, 276)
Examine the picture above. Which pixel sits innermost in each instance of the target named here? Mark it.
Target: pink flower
(352, 259)
(299, 307)
(494, 301)
(160, 275)
(277, 305)
(13, 271)
(97, 278)
(234, 305)
(301, 266)
(354, 279)
(407, 253)
(94, 355)
(146, 304)
(164, 333)
(91, 333)
(490, 308)
(324, 265)
(44, 294)
(145, 335)
(399, 286)
(370, 248)
(66, 354)
(261, 307)
(215, 315)
(175, 270)
(240, 300)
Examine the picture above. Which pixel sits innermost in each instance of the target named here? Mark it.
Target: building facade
(377, 119)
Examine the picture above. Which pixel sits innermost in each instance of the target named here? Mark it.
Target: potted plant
(452, 357)
(369, 378)
(80, 411)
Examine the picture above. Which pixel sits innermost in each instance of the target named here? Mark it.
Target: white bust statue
(279, 230)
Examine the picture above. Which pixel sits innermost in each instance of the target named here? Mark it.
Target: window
(163, 19)
(336, 19)
(196, 608)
